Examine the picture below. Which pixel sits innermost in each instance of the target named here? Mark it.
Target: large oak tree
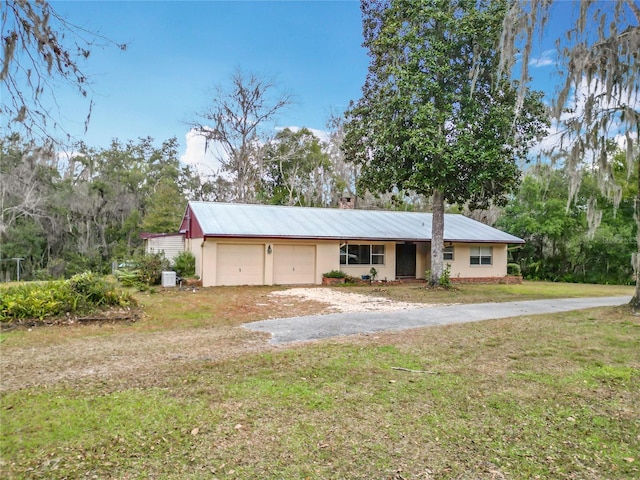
(434, 116)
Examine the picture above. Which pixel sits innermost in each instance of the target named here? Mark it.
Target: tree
(599, 94)
(235, 122)
(24, 170)
(295, 169)
(558, 245)
(65, 216)
(41, 51)
(434, 118)
(165, 208)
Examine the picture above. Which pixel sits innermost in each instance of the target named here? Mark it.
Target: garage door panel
(294, 264)
(240, 264)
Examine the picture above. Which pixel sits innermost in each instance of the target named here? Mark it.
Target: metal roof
(271, 221)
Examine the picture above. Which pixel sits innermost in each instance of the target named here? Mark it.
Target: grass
(554, 396)
(494, 293)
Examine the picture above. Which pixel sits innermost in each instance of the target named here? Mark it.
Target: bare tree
(41, 51)
(23, 191)
(235, 121)
(599, 96)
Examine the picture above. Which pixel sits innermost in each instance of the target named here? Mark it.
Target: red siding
(190, 225)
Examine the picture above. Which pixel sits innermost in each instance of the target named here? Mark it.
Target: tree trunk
(635, 301)
(437, 238)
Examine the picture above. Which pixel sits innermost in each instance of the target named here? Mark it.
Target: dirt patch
(73, 351)
(131, 357)
(344, 302)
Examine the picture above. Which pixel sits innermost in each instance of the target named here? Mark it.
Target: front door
(405, 260)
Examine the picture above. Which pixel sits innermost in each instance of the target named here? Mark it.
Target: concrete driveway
(300, 329)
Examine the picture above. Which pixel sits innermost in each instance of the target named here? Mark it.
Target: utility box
(168, 279)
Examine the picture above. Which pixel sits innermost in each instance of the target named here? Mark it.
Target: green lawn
(554, 396)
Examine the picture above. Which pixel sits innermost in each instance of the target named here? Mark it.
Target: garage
(240, 264)
(294, 264)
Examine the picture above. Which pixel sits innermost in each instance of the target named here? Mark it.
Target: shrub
(513, 269)
(150, 268)
(445, 278)
(373, 274)
(142, 269)
(128, 277)
(185, 264)
(334, 274)
(80, 294)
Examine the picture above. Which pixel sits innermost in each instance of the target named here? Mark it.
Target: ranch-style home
(239, 244)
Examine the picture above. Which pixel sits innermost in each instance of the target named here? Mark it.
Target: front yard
(185, 393)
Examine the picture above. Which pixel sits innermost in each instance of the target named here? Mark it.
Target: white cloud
(548, 57)
(206, 161)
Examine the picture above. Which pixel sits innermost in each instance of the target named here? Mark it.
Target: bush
(334, 274)
(142, 270)
(150, 268)
(185, 264)
(80, 294)
(445, 278)
(513, 269)
(128, 277)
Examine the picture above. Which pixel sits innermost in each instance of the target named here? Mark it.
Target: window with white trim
(447, 253)
(481, 256)
(362, 255)
(377, 254)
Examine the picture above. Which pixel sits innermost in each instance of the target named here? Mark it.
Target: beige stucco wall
(461, 267)
(193, 245)
(209, 252)
(423, 259)
(328, 258)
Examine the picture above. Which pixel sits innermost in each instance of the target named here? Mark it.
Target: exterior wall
(423, 259)
(194, 245)
(170, 245)
(461, 267)
(328, 258)
(386, 271)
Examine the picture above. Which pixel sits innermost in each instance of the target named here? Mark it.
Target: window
(447, 253)
(362, 255)
(377, 254)
(481, 256)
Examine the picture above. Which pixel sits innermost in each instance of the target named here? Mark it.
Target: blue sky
(178, 50)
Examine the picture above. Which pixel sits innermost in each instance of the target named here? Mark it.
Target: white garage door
(240, 264)
(294, 264)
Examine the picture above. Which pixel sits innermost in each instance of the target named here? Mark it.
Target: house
(169, 244)
(238, 244)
